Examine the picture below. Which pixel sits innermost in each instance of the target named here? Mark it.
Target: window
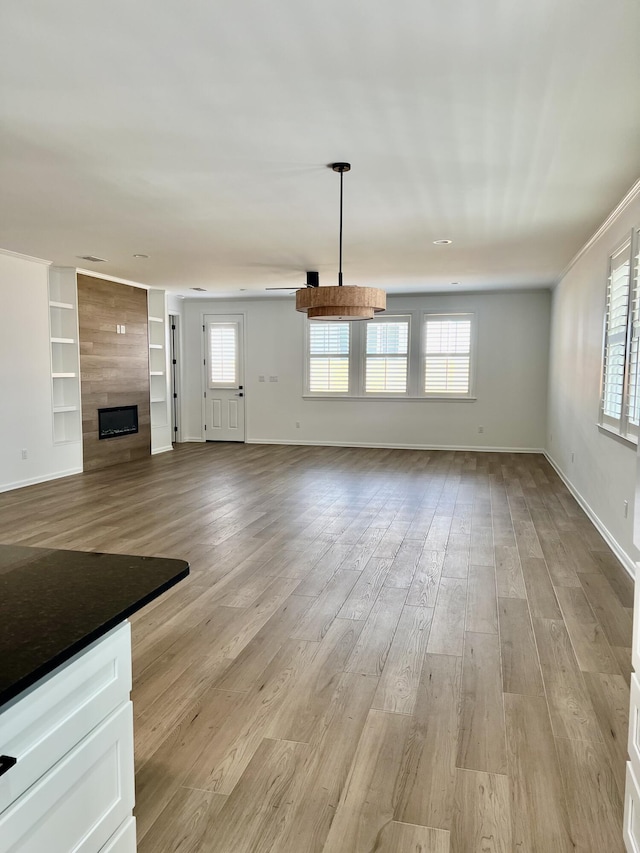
(386, 356)
(447, 355)
(223, 354)
(409, 355)
(619, 404)
(329, 346)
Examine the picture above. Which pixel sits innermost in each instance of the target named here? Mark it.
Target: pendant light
(341, 302)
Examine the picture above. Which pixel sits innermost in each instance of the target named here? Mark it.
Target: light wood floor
(377, 650)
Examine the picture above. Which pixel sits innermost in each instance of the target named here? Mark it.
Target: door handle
(239, 395)
(6, 763)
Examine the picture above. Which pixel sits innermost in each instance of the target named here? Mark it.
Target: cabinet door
(80, 803)
(50, 719)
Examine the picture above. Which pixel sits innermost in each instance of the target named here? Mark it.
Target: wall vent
(201, 289)
(92, 258)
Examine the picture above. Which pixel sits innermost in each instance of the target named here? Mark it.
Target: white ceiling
(199, 132)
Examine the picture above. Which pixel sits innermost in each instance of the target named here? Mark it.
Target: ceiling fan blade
(313, 280)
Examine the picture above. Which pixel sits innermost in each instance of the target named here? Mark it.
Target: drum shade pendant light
(341, 303)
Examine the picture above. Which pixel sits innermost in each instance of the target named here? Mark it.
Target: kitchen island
(66, 723)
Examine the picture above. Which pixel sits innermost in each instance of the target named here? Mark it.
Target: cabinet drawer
(631, 821)
(82, 801)
(124, 841)
(44, 723)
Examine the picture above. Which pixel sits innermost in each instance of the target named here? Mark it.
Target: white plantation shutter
(223, 354)
(329, 345)
(619, 360)
(447, 354)
(386, 356)
(633, 395)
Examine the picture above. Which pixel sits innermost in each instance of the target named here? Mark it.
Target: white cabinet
(159, 385)
(632, 792)
(72, 786)
(65, 355)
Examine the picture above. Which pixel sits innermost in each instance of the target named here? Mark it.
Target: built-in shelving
(65, 356)
(161, 438)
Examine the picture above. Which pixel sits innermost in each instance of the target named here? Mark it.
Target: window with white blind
(223, 354)
(386, 355)
(619, 404)
(408, 355)
(329, 357)
(447, 355)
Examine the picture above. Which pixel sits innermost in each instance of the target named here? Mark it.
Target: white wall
(25, 379)
(511, 384)
(602, 472)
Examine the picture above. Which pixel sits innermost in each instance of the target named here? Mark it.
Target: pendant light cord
(340, 270)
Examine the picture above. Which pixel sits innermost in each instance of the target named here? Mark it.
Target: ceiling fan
(313, 280)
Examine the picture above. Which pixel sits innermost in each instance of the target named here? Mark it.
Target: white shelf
(65, 356)
(158, 371)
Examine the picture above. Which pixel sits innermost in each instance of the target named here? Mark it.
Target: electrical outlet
(122, 330)
(480, 429)
(297, 424)
(24, 453)
(260, 378)
(273, 379)
(626, 509)
(573, 457)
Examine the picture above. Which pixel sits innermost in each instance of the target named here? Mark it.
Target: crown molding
(25, 257)
(618, 210)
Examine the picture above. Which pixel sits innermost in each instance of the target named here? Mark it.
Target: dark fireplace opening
(118, 420)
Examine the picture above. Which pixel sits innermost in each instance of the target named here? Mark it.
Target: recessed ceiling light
(455, 282)
(141, 256)
(442, 242)
(92, 258)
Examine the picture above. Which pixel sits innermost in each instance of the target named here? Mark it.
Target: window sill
(629, 441)
(385, 399)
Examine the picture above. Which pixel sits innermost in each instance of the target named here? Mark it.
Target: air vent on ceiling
(201, 289)
(92, 258)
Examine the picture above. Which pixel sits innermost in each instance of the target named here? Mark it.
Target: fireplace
(118, 420)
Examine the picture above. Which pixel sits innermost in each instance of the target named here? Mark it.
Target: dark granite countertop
(55, 603)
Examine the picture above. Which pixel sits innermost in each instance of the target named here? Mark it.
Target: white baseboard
(388, 446)
(188, 439)
(621, 554)
(33, 481)
(162, 449)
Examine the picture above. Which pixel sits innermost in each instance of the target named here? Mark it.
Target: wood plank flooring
(377, 651)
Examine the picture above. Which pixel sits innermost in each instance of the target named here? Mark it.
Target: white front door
(224, 381)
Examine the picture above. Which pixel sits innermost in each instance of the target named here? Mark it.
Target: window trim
(339, 395)
(415, 361)
(621, 427)
(470, 395)
(384, 395)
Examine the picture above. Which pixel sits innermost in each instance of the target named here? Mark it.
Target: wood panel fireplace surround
(114, 370)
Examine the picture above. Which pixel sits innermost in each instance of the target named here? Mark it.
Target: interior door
(224, 381)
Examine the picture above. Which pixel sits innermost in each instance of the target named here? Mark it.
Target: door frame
(216, 312)
(175, 377)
